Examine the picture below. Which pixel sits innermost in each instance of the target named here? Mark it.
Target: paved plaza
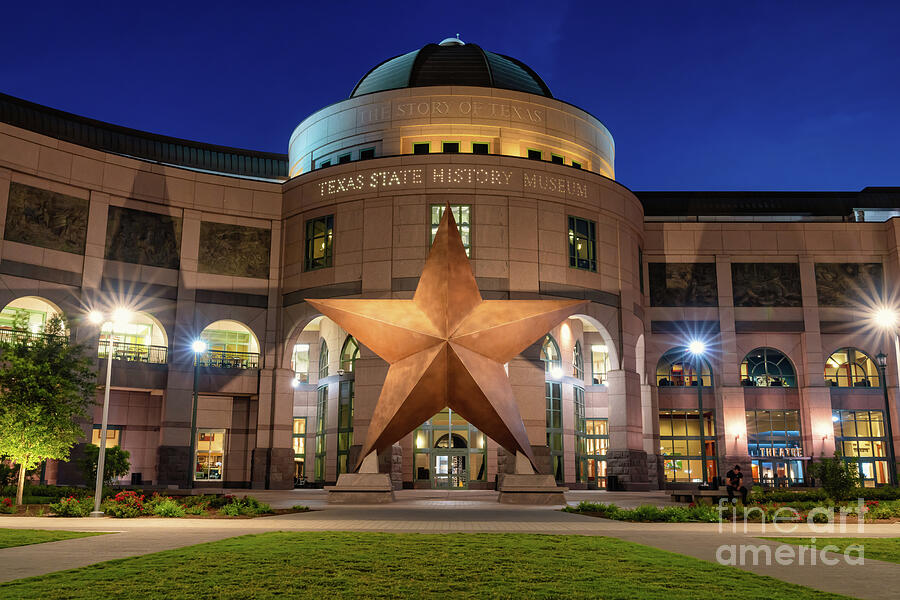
(430, 511)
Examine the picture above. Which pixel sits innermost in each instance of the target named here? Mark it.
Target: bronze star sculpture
(446, 347)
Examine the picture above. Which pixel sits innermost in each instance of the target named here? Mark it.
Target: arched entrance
(449, 452)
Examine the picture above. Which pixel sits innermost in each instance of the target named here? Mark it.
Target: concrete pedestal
(361, 488)
(517, 488)
(527, 487)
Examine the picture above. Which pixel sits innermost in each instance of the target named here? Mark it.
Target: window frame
(575, 262)
(550, 363)
(310, 263)
(464, 227)
(679, 354)
(871, 381)
(349, 362)
(197, 451)
(444, 146)
(554, 427)
(487, 144)
(419, 144)
(709, 437)
(561, 161)
(323, 359)
(843, 437)
(788, 380)
(528, 155)
(362, 150)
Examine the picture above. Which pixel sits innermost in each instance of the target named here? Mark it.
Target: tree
(47, 385)
(839, 476)
(116, 463)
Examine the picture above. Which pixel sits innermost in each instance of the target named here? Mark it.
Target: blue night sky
(698, 96)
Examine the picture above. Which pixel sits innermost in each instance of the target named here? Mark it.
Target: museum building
(718, 328)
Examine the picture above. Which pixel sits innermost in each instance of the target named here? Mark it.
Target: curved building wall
(510, 122)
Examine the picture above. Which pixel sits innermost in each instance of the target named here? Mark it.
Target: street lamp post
(120, 315)
(887, 319)
(198, 347)
(698, 348)
(881, 359)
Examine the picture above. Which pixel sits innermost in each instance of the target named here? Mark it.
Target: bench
(698, 496)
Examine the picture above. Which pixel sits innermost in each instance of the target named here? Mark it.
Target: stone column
(626, 458)
(174, 463)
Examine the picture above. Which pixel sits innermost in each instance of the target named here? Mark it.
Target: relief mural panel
(683, 284)
(766, 284)
(848, 284)
(143, 238)
(46, 219)
(234, 250)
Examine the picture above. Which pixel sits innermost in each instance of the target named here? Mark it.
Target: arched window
(349, 354)
(577, 361)
(550, 354)
(767, 367)
(323, 360)
(677, 368)
(229, 345)
(599, 363)
(851, 367)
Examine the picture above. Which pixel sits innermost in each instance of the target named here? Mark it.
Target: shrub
(54, 492)
(248, 505)
(168, 508)
(194, 510)
(72, 507)
(6, 506)
(839, 477)
(116, 464)
(889, 509)
(125, 505)
(300, 508)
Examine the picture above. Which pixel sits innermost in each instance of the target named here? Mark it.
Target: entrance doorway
(449, 453)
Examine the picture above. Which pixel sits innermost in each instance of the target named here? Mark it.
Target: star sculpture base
(527, 487)
(361, 488)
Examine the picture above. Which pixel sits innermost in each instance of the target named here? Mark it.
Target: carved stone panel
(143, 238)
(46, 219)
(234, 250)
(848, 284)
(683, 284)
(766, 284)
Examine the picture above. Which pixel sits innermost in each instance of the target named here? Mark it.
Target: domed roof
(452, 62)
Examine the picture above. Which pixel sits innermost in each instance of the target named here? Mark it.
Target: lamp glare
(697, 347)
(886, 318)
(95, 317)
(198, 346)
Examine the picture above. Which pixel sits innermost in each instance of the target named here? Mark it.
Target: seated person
(735, 482)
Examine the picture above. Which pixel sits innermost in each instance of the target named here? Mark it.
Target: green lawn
(876, 548)
(24, 537)
(380, 565)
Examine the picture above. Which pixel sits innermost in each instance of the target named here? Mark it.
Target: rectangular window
(582, 244)
(298, 439)
(860, 436)
(599, 363)
(113, 435)
(555, 427)
(324, 163)
(345, 425)
(344, 158)
(679, 440)
(421, 147)
(481, 148)
(450, 147)
(576, 165)
(33, 320)
(557, 159)
(319, 242)
(210, 455)
(367, 153)
(590, 449)
(461, 212)
(534, 154)
(321, 416)
(300, 363)
(774, 444)
(641, 268)
(222, 340)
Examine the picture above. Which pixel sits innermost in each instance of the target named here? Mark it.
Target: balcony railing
(225, 359)
(158, 355)
(12, 335)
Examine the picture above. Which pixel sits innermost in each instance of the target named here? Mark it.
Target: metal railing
(225, 359)
(14, 335)
(158, 355)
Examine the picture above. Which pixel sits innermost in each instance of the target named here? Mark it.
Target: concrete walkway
(429, 511)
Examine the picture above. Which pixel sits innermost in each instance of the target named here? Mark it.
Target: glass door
(450, 471)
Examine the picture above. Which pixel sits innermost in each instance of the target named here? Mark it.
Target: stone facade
(86, 228)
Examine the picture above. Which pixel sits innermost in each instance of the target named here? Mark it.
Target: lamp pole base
(97, 513)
